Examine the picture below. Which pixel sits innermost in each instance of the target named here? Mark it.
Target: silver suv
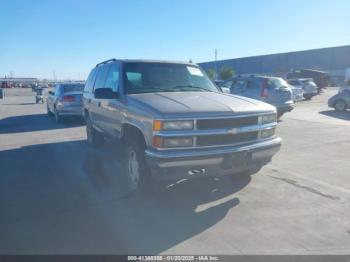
(174, 123)
(272, 90)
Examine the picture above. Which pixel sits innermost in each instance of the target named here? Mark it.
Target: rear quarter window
(89, 85)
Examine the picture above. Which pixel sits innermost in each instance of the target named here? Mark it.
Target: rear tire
(49, 113)
(340, 105)
(58, 117)
(307, 97)
(94, 138)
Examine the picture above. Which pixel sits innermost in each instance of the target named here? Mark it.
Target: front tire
(340, 105)
(136, 171)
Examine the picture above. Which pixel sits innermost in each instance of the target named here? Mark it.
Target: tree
(226, 72)
(211, 73)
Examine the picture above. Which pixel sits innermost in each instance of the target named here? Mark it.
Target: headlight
(173, 125)
(266, 119)
(267, 133)
(171, 142)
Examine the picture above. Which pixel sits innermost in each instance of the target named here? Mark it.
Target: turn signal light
(157, 125)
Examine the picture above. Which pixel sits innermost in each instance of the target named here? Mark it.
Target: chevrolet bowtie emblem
(233, 131)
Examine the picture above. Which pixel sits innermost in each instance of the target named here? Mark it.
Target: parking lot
(58, 196)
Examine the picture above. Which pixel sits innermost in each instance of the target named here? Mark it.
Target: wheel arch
(339, 99)
(131, 132)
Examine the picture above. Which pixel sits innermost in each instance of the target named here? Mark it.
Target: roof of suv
(256, 76)
(145, 61)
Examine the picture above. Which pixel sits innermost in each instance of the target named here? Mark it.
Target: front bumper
(210, 162)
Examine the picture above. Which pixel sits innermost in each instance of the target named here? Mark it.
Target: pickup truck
(174, 123)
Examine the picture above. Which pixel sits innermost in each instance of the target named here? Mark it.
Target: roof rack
(107, 61)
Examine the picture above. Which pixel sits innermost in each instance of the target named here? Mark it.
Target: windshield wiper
(192, 87)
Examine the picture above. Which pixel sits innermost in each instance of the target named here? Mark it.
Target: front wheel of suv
(94, 138)
(135, 166)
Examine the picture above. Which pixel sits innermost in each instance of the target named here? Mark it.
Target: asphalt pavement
(59, 196)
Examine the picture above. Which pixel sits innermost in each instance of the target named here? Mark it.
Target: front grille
(227, 122)
(226, 139)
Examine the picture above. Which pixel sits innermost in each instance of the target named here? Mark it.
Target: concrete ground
(57, 196)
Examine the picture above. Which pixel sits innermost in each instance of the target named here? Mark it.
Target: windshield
(165, 77)
(73, 88)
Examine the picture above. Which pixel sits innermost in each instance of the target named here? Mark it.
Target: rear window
(276, 83)
(72, 88)
(309, 82)
(293, 82)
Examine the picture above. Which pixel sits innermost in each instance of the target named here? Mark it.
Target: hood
(198, 103)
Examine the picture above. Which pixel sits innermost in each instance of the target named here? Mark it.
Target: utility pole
(216, 63)
(54, 75)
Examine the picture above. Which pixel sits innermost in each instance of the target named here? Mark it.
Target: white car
(297, 93)
(306, 84)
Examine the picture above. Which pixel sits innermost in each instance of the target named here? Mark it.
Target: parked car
(321, 78)
(65, 100)
(173, 122)
(5, 84)
(297, 93)
(272, 90)
(307, 84)
(340, 101)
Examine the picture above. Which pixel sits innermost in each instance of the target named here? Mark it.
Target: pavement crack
(309, 189)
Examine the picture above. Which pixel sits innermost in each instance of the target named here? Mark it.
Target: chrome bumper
(223, 160)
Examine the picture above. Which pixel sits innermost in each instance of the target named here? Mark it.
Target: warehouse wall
(333, 59)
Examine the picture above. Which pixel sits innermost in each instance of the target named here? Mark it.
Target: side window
(227, 84)
(239, 84)
(101, 76)
(112, 80)
(253, 85)
(89, 85)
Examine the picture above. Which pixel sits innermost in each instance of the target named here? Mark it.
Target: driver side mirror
(105, 93)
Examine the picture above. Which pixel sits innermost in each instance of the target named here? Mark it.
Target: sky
(66, 38)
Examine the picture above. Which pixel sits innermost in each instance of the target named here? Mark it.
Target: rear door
(253, 89)
(89, 86)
